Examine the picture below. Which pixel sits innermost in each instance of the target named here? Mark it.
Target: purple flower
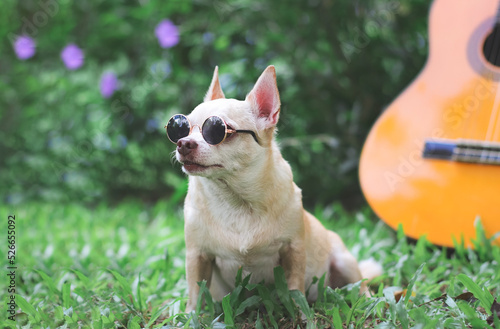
(167, 34)
(24, 47)
(152, 124)
(72, 56)
(108, 84)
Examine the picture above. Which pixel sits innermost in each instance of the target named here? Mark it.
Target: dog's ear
(265, 98)
(214, 91)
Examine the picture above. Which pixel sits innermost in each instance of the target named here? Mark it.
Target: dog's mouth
(193, 167)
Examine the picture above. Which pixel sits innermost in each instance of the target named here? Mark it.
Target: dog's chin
(197, 169)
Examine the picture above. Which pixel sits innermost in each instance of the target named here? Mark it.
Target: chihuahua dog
(242, 208)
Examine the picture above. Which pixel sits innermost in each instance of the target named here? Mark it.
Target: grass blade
(485, 298)
(336, 319)
(239, 276)
(496, 320)
(202, 286)
(160, 310)
(265, 294)
(82, 277)
(237, 295)
(66, 295)
(472, 316)
(26, 307)
(138, 293)
(409, 290)
(301, 301)
(258, 323)
(49, 282)
(123, 283)
(353, 308)
(339, 300)
(282, 290)
(208, 300)
(321, 289)
(228, 311)
(249, 302)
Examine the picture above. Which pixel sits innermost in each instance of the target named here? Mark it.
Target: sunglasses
(214, 130)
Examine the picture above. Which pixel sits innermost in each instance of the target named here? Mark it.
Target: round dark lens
(178, 127)
(214, 130)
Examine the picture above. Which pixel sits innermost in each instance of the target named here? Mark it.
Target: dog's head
(257, 115)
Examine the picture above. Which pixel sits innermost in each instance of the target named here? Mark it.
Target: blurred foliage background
(339, 64)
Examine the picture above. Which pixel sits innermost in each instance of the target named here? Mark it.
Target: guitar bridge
(463, 150)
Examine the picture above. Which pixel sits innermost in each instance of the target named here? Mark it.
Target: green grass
(123, 267)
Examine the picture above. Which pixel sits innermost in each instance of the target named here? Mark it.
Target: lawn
(122, 266)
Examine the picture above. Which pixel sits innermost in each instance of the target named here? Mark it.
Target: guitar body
(456, 96)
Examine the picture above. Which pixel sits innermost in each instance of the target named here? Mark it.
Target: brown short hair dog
(243, 208)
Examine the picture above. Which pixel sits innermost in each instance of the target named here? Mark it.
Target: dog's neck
(263, 183)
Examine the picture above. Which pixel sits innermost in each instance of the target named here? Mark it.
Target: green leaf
(282, 290)
(409, 289)
(236, 294)
(204, 295)
(194, 321)
(246, 280)
(321, 289)
(134, 323)
(208, 300)
(258, 322)
(301, 301)
(354, 292)
(371, 309)
(472, 316)
(353, 308)
(484, 297)
(402, 317)
(85, 280)
(496, 320)
(221, 43)
(401, 233)
(26, 307)
(344, 308)
(199, 302)
(97, 323)
(249, 302)
(49, 282)
(265, 294)
(58, 313)
(228, 311)
(156, 314)
(66, 295)
(138, 292)
(239, 275)
(336, 319)
(123, 283)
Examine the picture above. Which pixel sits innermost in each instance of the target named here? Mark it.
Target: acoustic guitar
(432, 160)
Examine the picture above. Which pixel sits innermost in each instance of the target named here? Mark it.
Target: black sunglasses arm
(246, 132)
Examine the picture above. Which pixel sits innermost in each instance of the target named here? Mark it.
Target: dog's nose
(185, 147)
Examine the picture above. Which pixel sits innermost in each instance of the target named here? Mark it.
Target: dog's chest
(240, 236)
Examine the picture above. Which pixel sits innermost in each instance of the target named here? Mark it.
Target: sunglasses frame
(226, 129)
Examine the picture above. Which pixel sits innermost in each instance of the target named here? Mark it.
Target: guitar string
(494, 116)
(488, 155)
(494, 123)
(496, 135)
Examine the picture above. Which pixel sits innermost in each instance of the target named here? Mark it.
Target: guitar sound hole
(491, 48)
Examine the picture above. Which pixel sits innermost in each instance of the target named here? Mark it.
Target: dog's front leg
(198, 268)
(293, 261)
